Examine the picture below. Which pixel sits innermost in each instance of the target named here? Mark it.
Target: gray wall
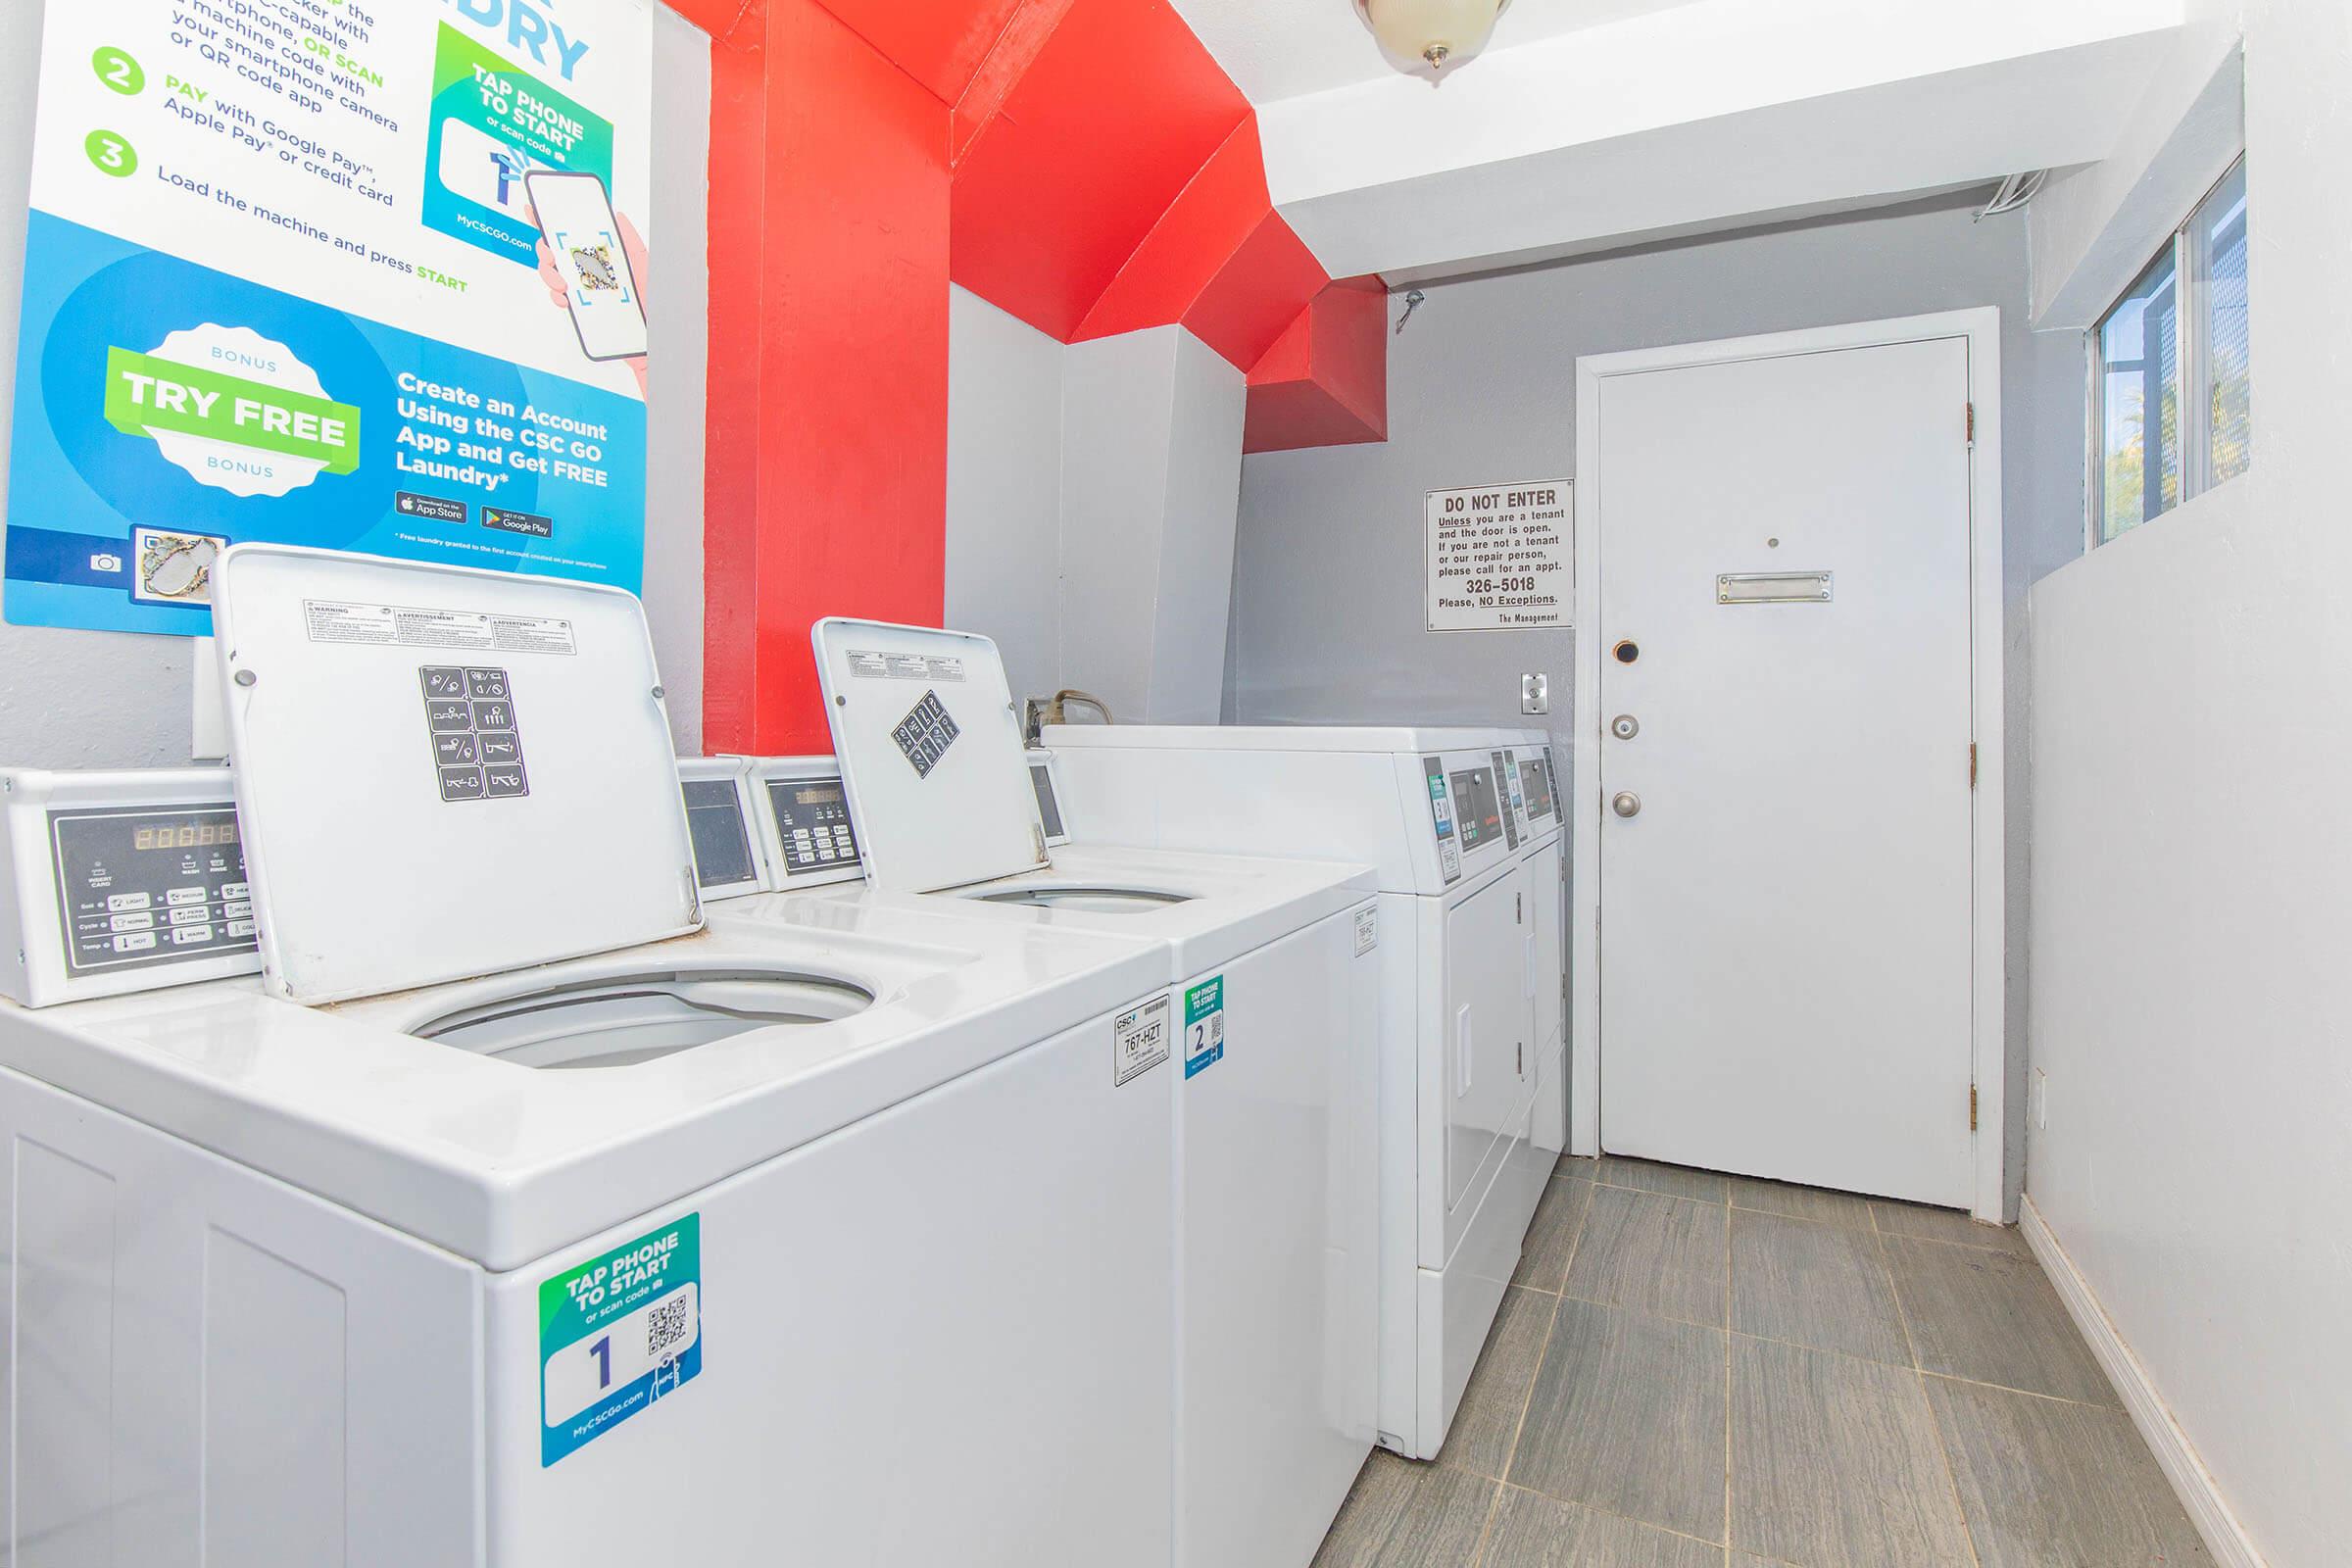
(1482, 387)
(82, 699)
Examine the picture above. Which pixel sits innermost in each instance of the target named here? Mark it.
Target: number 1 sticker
(618, 1333)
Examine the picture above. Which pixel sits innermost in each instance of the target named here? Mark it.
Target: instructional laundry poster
(365, 274)
(1501, 557)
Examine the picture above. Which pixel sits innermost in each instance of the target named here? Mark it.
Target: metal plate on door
(1773, 588)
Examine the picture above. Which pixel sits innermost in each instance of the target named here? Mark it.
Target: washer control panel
(813, 824)
(122, 881)
(139, 888)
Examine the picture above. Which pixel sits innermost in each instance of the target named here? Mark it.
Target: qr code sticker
(668, 1323)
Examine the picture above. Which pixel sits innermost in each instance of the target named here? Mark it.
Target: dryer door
(1488, 1019)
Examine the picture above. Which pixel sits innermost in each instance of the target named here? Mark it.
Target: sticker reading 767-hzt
(1139, 1040)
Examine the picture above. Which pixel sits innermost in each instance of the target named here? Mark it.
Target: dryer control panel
(1441, 813)
(1506, 785)
(123, 881)
(1535, 779)
(1477, 806)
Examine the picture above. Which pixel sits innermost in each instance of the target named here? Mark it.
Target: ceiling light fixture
(1425, 37)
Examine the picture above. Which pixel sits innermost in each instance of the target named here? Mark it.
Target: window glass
(2139, 363)
(2220, 231)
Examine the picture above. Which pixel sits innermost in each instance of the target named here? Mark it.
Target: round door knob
(1625, 802)
(1625, 727)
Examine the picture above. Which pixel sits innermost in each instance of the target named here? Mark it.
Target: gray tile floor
(1701, 1371)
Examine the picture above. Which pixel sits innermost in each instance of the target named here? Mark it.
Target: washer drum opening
(620, 1021)
(1086, 901)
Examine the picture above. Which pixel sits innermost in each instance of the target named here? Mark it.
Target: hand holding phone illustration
(593, 263)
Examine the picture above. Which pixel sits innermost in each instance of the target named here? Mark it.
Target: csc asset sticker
(618, 1333)
(1139, 1040)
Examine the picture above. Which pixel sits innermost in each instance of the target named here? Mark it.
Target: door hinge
(1972, 427)
(1971, 1108)
(1519, 1059)
(1518, 908)
(1971, 765)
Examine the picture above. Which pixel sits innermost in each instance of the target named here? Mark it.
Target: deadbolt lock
(1625, 802)
(1625, 727)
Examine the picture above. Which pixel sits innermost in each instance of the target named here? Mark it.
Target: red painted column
(826, 470)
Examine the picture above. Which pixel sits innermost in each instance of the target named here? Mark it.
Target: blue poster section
(463, 459)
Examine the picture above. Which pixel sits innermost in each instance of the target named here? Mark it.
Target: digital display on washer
(722, 839)
(145, 887)
(812, 819)
(1535, 785)
(1476, 806)
(1048, 810)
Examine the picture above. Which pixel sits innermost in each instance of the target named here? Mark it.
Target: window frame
(2190, 249)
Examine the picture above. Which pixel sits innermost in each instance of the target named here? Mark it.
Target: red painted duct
(1083, 164)
(1325, 383)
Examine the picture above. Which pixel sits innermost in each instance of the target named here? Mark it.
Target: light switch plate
(1534, 694)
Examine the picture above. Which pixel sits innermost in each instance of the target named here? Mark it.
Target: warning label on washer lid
(1139, 1040)
(1367, 929)
(327, 620)
(1203, 1025)
(618, 1333)
(867, 666)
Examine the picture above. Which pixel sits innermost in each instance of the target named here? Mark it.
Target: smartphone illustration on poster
(575, 215)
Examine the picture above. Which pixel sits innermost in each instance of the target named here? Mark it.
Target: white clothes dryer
(1466, 1148)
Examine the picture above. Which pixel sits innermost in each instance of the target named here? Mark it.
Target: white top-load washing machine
(1272, 1089)
(508, 1218)
(1469, 985)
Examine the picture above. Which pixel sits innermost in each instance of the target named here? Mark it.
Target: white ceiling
(1275, 49)
(1696, 117)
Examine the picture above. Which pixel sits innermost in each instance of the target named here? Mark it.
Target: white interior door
(1785, 841)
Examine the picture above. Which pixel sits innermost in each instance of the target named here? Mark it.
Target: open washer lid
(444, 773)
(930, 748)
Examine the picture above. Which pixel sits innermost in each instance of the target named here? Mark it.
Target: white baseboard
(2224, 1537)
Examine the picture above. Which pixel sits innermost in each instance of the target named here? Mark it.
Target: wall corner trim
(2224, 1537)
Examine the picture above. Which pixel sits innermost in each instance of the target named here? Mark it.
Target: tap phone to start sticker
(575, 215)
